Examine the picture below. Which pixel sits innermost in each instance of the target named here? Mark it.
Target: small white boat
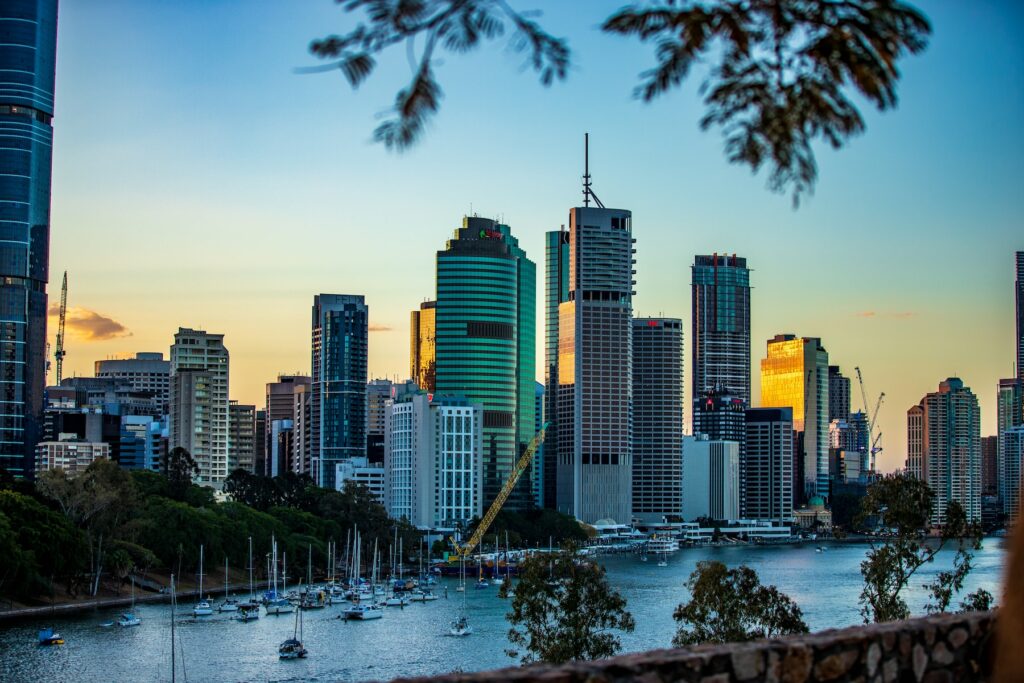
(363, 612)
(128, 619)
(247, 611)
(396, 601)
(280, 606)
(422, 596)
(460, 627)
(202, 609)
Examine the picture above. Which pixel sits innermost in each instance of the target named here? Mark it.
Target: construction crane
(59, 352)
(506, 490)
(872, 417)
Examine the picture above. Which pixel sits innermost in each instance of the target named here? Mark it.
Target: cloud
(89, 325)
(866, 314)
(376, 327)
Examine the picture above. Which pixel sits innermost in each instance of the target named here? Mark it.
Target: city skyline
(875, 309)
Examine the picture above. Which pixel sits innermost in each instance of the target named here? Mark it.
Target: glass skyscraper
(556, 290)
(486, 343)
(422, 358)
(1019, 295)
(721, 325)
(338, 410)
(28, 49)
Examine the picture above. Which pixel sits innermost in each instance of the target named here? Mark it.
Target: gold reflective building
(422, 351)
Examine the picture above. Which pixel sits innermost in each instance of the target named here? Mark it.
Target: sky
(200, 180)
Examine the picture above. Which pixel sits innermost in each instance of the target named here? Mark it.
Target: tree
(902, 504)
(978, 601)
(730, 606)
(179, 468)
(779, 73)
(564, 610)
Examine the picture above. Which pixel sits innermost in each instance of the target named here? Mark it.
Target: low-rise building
(69, 454)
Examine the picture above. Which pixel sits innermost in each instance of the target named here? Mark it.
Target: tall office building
(721, 325)
(556, 290)
(595, 368)
(990, 465)
(658, 412)
(719, 415)
(242, 425)
(769, 452)
(944, 447)
(486, 343)
(422, 346)
(201, 401)
(1019, 292)
(795, 375)
(539, 461)
(147, 372)
(301, 453)
(378, 393)
(338, 405)
(1013, 472)
(838, 394)
(28, 31)
(280, 405)
(1009, 414)
(711, 487)
(432, 452)
(260, 443)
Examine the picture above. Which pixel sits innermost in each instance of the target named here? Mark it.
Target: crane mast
(59, 352)
(872, 417)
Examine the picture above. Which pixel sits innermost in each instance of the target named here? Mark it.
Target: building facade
(721, 325)
(990, 466)
(71, 455)
(147, 372)
(556, 291)
(141, 443)
(944, 447)
(422, 346)
(338, 402)
(1019, 297)
(201, 423)
(362, 472)
(242, 427)
(595, 369)
(795, 375)
(659, 406)
(838, 394)
(281, 405)
(719, 415)
(711, 485)
(27, 67)
(1013, 473)
(769, 452)
(486, 344)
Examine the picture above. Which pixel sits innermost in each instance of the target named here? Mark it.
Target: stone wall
(936, 649)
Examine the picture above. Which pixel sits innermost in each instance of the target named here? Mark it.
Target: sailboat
(250, 609)
(496, 579)
(481, 582)
(460, 627)
(128, 618)
(202, 608)
(663, 559)
(364, 611)
(293, 647)
(229, 604)
(276, 603)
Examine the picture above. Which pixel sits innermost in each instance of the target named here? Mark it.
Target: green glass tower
(486, 343)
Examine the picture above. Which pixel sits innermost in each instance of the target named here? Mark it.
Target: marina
(426, 637)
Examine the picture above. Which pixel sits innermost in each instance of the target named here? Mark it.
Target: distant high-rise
(539, 461)
(28, 31)
(556, 290)
(659, 406)
(944, 447)
(721, 325)
(990, 465)
(199, 403)
(795, 374)
(147, 372)
(719, 415)
(1020, 314)
(1009, 414)
(378, 393)
(769, 473)
(486, 343)
(1012, 446)
(595, 368)
(838, 394)
(242, 439)
(422, 346)
(260, 443)
(338, 405)
(711, 487)
(280, 405)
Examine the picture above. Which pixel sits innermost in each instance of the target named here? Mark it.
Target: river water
(414, 640)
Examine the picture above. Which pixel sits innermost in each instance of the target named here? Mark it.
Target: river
(414, 640)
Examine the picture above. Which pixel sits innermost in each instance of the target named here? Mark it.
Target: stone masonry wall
(935, 649)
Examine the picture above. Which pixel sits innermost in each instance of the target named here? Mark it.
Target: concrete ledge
(935, 649)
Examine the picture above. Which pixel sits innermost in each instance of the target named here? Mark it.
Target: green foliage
(903, 505)
(534, 528)
(179, 468)
(845, 507)
(780, 74)
(38, 546)
(978, 601)
(564, 610)
(731, 606)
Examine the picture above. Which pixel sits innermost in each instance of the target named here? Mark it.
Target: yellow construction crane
(506, 490)
(59, 352)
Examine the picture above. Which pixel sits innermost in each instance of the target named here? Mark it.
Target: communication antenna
(588, 191)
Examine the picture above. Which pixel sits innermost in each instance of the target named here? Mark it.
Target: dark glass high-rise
(28, 46)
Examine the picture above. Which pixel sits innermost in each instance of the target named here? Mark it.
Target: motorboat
(48, 637)
(362, 612)
(202, 609)
(128, 619)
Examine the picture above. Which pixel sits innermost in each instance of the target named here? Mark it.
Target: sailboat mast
(250, 569)
(173, 602)
(200, 572)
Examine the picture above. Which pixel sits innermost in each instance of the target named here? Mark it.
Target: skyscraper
(556, 290)
(795, 374)
(990, 465)
(200, 401)
(242, 425)
(944, 447)
(1009, 414)
(719, 415)
(721, 325)
(658, 410)
(769, 474)
(486, 343)
(838, 394)
(711, 485)
(338, 402)
(280, 405)
(27, 65)
(1020, 314)
(1013, 472)
(422, 349)
(595, 368)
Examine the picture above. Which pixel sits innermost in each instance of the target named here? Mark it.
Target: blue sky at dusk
(200, 181)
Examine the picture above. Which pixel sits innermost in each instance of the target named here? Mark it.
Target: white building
(69, 454)
(711, 479)
(199, 409)
(432, 460)
(360, 471)
(146, 372)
